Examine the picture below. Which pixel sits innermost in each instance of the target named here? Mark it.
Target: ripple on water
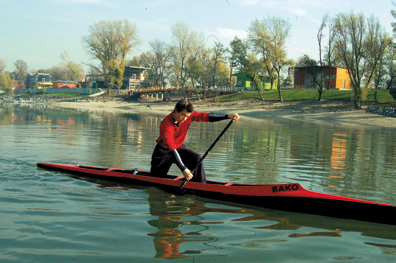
(47, 216)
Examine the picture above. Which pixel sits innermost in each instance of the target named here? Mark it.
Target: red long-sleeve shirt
(171, 135)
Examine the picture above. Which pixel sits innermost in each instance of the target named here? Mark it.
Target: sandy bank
(324, 112)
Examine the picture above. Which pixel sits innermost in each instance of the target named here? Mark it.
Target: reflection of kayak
(289, 197)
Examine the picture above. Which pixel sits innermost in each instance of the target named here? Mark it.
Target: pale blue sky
(38, 31)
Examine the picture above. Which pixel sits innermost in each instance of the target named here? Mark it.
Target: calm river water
(48, 216)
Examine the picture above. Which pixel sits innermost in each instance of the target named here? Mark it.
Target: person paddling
(170, 146)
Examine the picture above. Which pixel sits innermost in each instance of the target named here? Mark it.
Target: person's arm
(168, 136)
(186, 172)
(179, 161)
(213, 117)
(222, 116)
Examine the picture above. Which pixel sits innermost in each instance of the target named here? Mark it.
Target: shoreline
(323, 112)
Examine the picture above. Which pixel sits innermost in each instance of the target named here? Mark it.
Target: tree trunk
(375, 95)
(280, 94)
(357, 102)
(196, 94)
(279, 88)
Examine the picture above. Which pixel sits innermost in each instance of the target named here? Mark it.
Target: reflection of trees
(259, 148)
(350, 161)
(6, 115)
(53, 124)
(346, 161)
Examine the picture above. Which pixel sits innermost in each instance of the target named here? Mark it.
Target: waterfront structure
(307, 77)
(136, 77)
(64, 84)
(18, 84)
(38, 80)
(244, 82)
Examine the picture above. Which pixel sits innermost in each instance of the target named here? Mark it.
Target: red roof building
(305, 77)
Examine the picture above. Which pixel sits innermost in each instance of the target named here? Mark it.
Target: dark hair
(184, 104)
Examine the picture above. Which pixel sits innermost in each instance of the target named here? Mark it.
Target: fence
(197, 89)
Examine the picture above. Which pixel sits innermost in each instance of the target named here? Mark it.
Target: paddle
(203, 157)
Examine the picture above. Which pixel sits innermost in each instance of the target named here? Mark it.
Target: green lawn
(382, 96)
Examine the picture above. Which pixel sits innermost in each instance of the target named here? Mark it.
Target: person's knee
(197, 157)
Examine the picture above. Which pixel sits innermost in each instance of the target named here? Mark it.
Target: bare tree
(74, 71)
(21, 69)
(186, 44)
(218, 53)
(200, 67)
(320, 36)
(110, 42)
(162, 55)
(360, 43)
(259, 38)
(58, 72)
(268, 38)
(195, 67)
(329, 53)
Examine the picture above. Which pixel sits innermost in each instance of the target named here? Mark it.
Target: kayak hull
(289, 197)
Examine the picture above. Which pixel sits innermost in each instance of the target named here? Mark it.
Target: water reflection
(338, 154)
(189, 226)
(353, 162)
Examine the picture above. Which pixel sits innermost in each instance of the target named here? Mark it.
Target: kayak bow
(289, 197)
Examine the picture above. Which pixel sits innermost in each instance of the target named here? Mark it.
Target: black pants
(162, 160)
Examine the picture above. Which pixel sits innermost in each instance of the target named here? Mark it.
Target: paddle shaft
(203, 157)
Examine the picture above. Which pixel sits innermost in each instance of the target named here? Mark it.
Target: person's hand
(187, 174)
(233, 116)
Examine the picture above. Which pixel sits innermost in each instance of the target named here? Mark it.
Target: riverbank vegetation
(383, 97)
(350, 40)
(377, 96)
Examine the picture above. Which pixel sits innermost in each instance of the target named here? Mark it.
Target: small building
(305, 77)
(136, 77)
(44, 85)
(64, 84)
(244, 82)
(93, 81)
(18, 84)
(38, 80)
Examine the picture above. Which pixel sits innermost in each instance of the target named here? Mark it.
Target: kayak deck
(289, 197)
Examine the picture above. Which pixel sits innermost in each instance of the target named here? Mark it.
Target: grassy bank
(380, 96)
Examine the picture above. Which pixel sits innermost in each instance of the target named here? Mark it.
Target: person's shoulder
(166, 119)
(199, 116)
(198, 113)
(194, 114)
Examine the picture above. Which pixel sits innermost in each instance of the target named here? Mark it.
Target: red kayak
(289, 197)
